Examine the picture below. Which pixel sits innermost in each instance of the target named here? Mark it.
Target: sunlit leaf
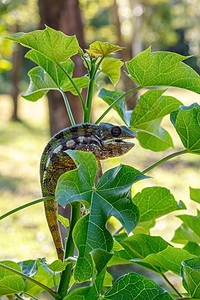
(10, 283)
(192, 222)
(168, 259)
(103, 48)
(153, 137)
(152, 106)
(187, 125)
(163, 68)
(195, 194)
(193, 248)
(111, 67)
(53, 44)
(134, 286)
(191, 276)
(184, 234)
(154, 202)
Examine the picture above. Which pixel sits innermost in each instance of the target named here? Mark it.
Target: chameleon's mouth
(119, 142)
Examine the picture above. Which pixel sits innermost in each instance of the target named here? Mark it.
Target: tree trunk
(15, 77)
(64, 15)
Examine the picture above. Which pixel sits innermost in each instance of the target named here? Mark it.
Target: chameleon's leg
(50, 211)
(99, 173)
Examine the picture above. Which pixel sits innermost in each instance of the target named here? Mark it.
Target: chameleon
(104, 140)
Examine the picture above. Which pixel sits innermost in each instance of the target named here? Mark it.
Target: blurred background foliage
(171, 25)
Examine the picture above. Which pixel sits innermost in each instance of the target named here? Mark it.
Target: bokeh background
(26, 127)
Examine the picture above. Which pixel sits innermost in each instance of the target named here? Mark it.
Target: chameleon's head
(112, 138)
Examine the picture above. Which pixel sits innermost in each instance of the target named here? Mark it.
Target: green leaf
(154, 202)
(109, 97)
(142, 245)
(64, 221)
(144, 227)
(153, 137)
(187, 125)
(112, 196)
(184, 234)
(134, 286)
(40, 84)
(53, 44)
(103, 48)
(44, 275)
(85, 293)
(168, 259)
(107, 280)
(192, 221)
(162, 69)
(11, 285)
(57, 265)
(111, 67)
(50, 77)
(195, 194)
(191, 273)
(29, 267)
(152, 106)
(193, 248)
(9, 282)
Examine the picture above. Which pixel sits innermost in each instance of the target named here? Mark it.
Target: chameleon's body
(104, 140)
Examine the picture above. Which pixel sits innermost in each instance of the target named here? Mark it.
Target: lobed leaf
(53, 44)
(168, 259)
(187, 125)
(195, 194)
(193, 248)
(152, 105)
(103, 48)
(154, 137)
(134, 286)
(10, 283)
(154, 202)
(190, 272)
(184, 234)
(109, 97)
(111, 67)
(162, 68)
(112, 196)
(192, 222)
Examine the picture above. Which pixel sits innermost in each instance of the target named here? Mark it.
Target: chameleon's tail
(50, 211)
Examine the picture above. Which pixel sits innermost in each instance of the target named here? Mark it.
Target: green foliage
(112, 195)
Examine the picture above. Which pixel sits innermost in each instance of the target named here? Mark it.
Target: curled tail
(50, 211)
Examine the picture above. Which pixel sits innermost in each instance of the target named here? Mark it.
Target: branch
(25, 205)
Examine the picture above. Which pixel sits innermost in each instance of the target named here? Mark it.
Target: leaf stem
(93, 71)
(44, 287)
(69, 251)
(24, 206)
(75, 86)
(115, 102)
(68, 107)
(25, 293)
(164, 160)
(170, 284)
(18, 297)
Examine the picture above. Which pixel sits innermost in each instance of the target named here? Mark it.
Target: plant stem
(25, 205)
(115, 102)
(93, 72)
(69, 251)
(44, 287)
(68, 107)
(18, 297)
(75, 86)
(25, 293)
(171, 285)
(164, 160)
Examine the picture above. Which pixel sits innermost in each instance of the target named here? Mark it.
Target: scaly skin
(104, 140)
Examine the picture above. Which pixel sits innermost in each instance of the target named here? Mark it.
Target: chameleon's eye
(116, 131)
